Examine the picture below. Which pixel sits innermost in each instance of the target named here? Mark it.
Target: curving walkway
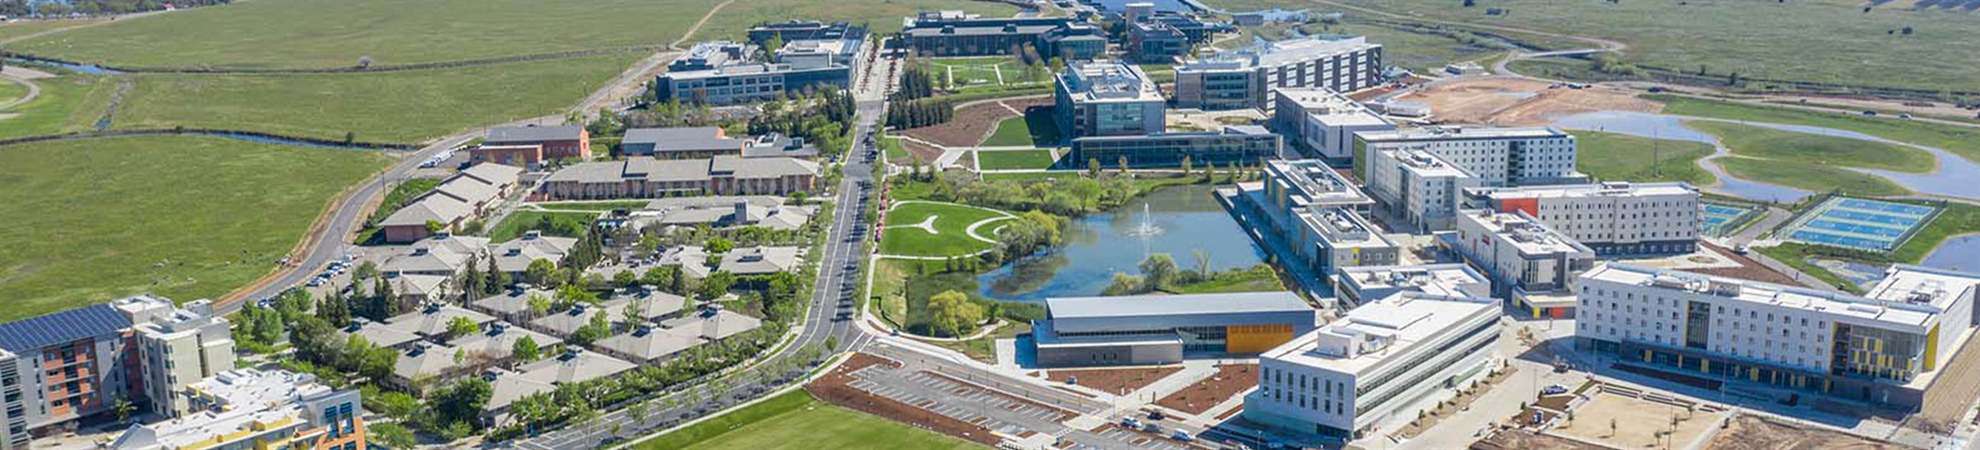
(929, 226)
(33, 90)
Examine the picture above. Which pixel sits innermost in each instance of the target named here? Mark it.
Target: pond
(1180, 221)
(1959, 253)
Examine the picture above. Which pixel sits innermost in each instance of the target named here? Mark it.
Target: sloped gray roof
(666, 140)
(494, 174)
(436, 208)
(533, 134)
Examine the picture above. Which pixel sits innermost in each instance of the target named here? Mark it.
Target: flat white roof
(1530, 236)
(1317, 181)
(1424, 164)
(1905, 283)
(1439, 279)
(1909, 316)
(1608, 189)
(1331, 107)
(1457, 132)
(1380, 330)
(1163, 305)
(1343, 228)
(1109, 81)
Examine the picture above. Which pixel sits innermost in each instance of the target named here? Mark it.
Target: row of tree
(905, 114)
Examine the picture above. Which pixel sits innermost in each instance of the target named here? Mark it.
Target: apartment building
(1342, 379)
(530, 146)
(1499, 156)
(1242, 144)
(1322, 123)
(459, 198)
(954, 33)
(1107, 98)
(1420, 188)
(1613, 218)
(1158, 329)
(1357, 285)
(1340, 65)
(642, 177)
(248, 408)
(1529, 263)
(1884, 348)
(61, 368)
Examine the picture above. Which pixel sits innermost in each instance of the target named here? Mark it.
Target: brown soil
(1755, 433)
(1748, 268)
(833, 388)
(1518, 439)
(1229, 381)
(972, 123)
(1520, 102)
(924, 152)
(1114, 381)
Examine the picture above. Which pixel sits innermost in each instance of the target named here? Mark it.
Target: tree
(1124, 284)
(1186, 163)
(625, 278)
(633, 313)
(472, 281)
(364, 62)
(1159, 270)
(662, 276)
(460, 402)
(538, 304)
(1093, 167)
(461, 326)
(541, 273)
(1122, 164)
(391, 434)
(720, 245)
(598, 328)
(717, 284)
(525, 349)
(951, 313)
(124, 408)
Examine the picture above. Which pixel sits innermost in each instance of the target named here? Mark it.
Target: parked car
(1130, 422)
(1151, 427)
(1182, 436)
(1554, 390)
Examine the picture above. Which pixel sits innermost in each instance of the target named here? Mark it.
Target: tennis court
(1859, 223)
(1720, 218)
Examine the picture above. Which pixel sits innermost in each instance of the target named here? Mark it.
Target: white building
(181, 346)
(1612, 218)
(1500, 156)
(1107, 98)
(1422, 189)
(248, 408)
(1240, 78)
(1356, 285)
(1884, 348)
(1322, 123)
(1529, 263)
(1345, 378)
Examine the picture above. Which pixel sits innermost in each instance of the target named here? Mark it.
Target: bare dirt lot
(1518, 439)
(1114, 381)
(833, 389)
(1748, 268)
(1228, 382)
(1637, 423)
(974, 122)
(1755, 433)
(1519, 102)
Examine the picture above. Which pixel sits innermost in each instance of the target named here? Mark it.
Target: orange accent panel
(1255, 338)
(1529, 205)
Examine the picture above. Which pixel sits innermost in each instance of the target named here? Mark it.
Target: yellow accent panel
(1932, 348)
(1255, 338)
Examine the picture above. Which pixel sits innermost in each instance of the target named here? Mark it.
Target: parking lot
(996, 411)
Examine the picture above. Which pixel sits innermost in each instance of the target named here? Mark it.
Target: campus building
(1244, 144)
(61, 368)
(650, 178)
(708, 142)
(802, 30)
(1342, 65)
(1357, 285)
(954, 33)
(1322, 123)
(1160, 329)
(530, 146)
(1530, 263)
(1613, 218)
(1498, 156)
(726, 73)
(1107, 98)
(1317, 214)
(253, 409)
(460, 198)
(1884, 348)
(1369, 366)
(1154, 42)
(1416, 186)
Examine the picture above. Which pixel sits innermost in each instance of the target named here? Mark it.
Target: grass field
(67, 103)
(1820, 40)
(517, 222)
(16, 30)
(1013, 159)
(882, 17)
(1963, 141)
(405, 107)
(796, 419)
(1035, 128)
(1955, 220)
(905, 238)
(320, 34)
(1621, 157)
(11, 90)
(1765, 143)
(1810, 177)
(1259, 278)
(182, 217)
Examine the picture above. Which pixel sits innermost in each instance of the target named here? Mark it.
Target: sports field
(182, 217)
(797, 420)
(928, 229)
(1861, 224)
(1621, 157)
(1718, 217)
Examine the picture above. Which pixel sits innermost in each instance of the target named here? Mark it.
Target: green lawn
(1810, 177)
(1013, 159)
(1765, 143)
(1964, 141)
(883, 17)
(15, 30)
(1818, 40)
(405, 107)
(325, 34)
(1955, 220)
(951, 221)
(11, 90)
(796, 420)
(67, 103)
(1259, 278)
(551, 223)
(182, 217)
(1621, 157)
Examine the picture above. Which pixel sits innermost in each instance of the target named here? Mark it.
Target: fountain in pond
(1147, 227)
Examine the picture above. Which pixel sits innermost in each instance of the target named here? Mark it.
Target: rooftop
(1315, 183)
(1108, 81)
(1165, 305)
(245, 402)
(1331, 107)
(1438, 279)
(1460, 132)
(1424, 164)
(28, 336)
(1292, 51)
(1924, 285)
(1902, 312)
(503, 135)
(1343, 228)
(1608, 189)
(682, 139)
(1380, 330)
(1531, 236)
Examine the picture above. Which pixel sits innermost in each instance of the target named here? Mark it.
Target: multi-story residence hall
(1884, 348)
(1321, 123)
(1499, 156)
(1613, 218)
(1530, 263)
(724, 73)
(60, 368)
(954, 33)
(1107, 98)
(1241, 78)
(253, 409)
(1416, 186)
(1372, 364)
(1317, 214)
(1160, 329)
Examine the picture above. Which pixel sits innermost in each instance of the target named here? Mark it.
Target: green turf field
(1963, 141)
(1010, 132)
(904, 238)
(67, 103)
(1621, 157)
(1810, 177)
(1764, 143)
(182, 217)
(794, 420)
(405, 107)
(882, 17)
(1013, 159)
